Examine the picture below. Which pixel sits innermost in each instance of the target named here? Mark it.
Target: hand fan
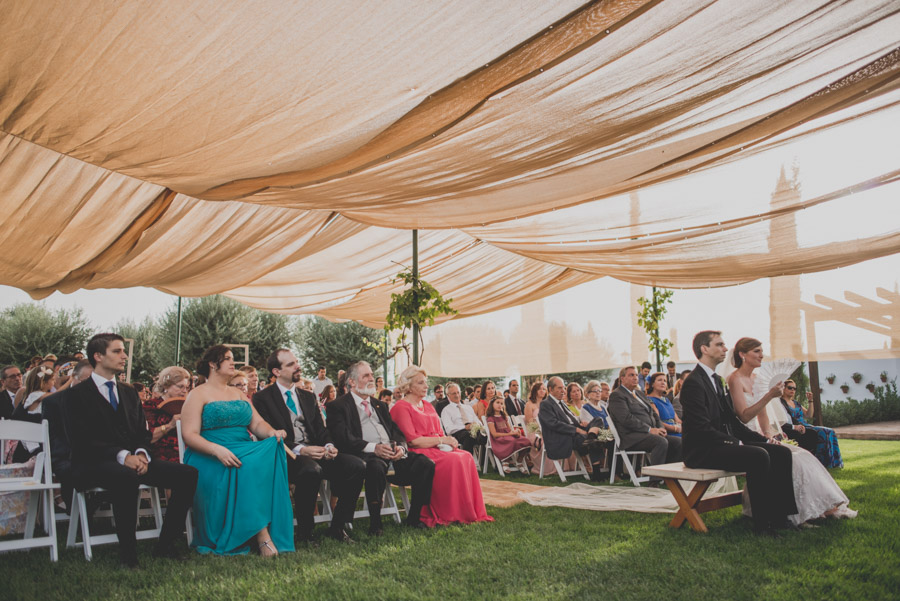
(770, 373)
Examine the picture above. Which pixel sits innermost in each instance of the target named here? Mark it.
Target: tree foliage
(29, 329)
(419, 305)
(652, 312)
(144, 366)
(219, 320)
(337, 345)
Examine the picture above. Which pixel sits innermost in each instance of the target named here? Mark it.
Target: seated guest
(597, 394)
(171, 389)
(241, 382)
(505, 440)
(297, 412)
(475, 396)
(536, 395)
(38, 385)
(379, 386)
(514, 405)
(386, 396)
(252, 379)
(487, 391)
(818, 440)
(456, 492)
(575, 399)
(457, 419)
(242, 491)
(656, 391)
(671, 378)
(362, 426)
(676, 398)
(11, 378)
(639, 428)
(561, 431)
(109, 440)
(53, 410)
(644, 374)
(329, 393)
(440, 401)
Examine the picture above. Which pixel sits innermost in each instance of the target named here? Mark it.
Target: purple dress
(505, 446)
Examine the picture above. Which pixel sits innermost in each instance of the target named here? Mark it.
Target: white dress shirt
(100, 381)
(711, 373)
(455, 416)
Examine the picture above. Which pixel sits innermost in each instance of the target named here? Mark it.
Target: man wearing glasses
(11, 380)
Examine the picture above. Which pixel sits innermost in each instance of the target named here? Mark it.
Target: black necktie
(720, 390)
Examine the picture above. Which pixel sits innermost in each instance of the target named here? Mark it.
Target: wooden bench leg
(687, 504)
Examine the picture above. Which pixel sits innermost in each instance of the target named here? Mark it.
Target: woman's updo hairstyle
(744, 345)
(168, 377)
(214, 354)
(406, 377)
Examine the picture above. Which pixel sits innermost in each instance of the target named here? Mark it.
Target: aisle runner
(505, 493)
(603, 498)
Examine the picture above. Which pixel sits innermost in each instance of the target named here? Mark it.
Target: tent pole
(656, 321)
(178, 335)
(415, 270)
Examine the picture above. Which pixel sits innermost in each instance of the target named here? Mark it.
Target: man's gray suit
(633, 418)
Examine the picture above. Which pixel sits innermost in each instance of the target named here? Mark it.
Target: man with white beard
(361, 425)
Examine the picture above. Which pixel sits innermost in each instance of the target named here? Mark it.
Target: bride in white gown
(815, 491)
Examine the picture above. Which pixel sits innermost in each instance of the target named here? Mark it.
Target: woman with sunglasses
(818, 440)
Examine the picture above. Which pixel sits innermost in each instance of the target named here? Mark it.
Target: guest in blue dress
(818, 440)
(657, 386)
(242, 491)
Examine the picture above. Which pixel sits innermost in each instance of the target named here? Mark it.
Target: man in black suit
(514, 405)
(109, 441)
(561, 430)
(714, 437)
(361, 425)
(11, 379)
(639, 427)
(287, 407)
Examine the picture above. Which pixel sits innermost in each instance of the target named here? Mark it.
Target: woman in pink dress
(456, 492)
(537, 394)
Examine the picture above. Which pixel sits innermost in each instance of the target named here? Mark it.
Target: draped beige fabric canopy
(279, 152)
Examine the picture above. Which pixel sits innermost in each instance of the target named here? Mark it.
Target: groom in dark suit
(714, 437)
(361, 425)
(109, 441)
(296, 411)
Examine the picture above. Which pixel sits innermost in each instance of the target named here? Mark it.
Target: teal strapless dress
(232, 505)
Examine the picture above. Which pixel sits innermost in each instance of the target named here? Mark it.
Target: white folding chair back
(189, 519)
(629, 458)
(40, 486)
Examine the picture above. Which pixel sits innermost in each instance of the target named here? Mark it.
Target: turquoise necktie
(290, 402)
(112, 395)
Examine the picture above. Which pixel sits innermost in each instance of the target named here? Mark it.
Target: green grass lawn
(529, 553)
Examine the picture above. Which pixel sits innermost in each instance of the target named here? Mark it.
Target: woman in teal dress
(242, 491)
(818, 440)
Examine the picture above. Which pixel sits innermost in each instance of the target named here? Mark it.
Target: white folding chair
(629, 458)
(80, 519)
(39, 484)
(581, 468)
(189, 519)
(490, 456)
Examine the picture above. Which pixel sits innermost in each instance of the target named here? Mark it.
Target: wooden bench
(693, 504)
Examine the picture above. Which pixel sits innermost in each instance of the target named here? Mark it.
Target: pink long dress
(456, 492)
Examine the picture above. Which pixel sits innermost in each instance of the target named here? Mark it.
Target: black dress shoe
(785, 524)
(129, 560)
(376, 531)
(771, 533)
(340, 536)
(168, 551)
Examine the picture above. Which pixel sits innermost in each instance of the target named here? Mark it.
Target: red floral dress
(166, 448)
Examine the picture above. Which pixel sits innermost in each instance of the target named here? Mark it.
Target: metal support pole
(656, 321)
(178, 335)
(415, 267)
